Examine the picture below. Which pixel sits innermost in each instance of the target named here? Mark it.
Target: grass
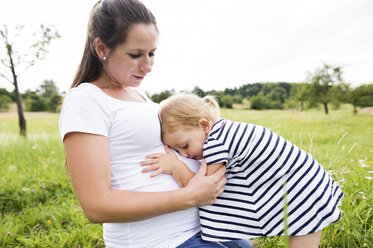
(39, 208)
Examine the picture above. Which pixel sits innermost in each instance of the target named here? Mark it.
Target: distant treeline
(280, 95)
(324, 87)
(45, 98)
(283, 95)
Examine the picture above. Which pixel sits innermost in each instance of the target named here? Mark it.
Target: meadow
(39, 208)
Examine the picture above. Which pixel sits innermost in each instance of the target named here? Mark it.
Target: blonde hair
(186, 109)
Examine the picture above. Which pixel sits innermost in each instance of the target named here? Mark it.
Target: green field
(39, 208)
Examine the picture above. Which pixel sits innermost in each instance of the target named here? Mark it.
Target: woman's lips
(139, 77)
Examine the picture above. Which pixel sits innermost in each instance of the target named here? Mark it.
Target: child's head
(186, 119)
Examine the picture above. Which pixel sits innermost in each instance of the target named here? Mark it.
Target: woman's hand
(204, 189)
(161, 163)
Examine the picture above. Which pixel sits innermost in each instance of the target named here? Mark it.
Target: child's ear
(205, 125)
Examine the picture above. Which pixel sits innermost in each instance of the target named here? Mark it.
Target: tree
(323, 82)
(227, 101)
(162, 96)
(34, 102)
(4, 102)
(48, 88)
(16, 64)
(299, 93)
(259, 102)
(198, 91)
(218, 96)
(361, 96)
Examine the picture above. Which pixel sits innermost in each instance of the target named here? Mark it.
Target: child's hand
(161, 163)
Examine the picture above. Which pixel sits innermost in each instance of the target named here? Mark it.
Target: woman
(108, 127)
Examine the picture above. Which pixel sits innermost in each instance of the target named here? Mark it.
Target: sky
(213, 44)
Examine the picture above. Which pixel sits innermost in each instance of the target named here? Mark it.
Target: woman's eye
(185, 147)
(151, 54)
(134, 56)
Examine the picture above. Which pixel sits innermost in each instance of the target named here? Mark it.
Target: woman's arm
(88, 162)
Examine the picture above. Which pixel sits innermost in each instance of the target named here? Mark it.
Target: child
(273, 188)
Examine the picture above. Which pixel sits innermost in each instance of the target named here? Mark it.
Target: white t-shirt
(133, 131)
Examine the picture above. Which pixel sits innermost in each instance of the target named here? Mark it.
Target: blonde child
(273, 188)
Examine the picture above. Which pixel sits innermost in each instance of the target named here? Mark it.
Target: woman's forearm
(128, 206)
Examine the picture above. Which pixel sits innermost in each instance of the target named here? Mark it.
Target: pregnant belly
(126, 173)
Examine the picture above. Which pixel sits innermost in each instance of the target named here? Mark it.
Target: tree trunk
(355, 110)
(326, 107)
(301, 106)
(21, 118)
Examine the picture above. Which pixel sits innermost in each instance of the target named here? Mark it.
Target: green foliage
(4, 102)
(45, 98)
(162, 96)
(54, 102)
(7, 93)
(299, 93)
(284, 95)
(218, 96)
(199, 92)
(363, 95)
(259, 102)
(6, 97)
(227, 101)
(323, 85)
(34, 102)
(267, 95)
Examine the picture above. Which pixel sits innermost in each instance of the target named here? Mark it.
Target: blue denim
(197, 242)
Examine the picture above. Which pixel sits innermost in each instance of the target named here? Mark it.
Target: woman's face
(130, 61)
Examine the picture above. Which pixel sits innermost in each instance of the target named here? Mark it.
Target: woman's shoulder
(84, 89)
(84, 97)
(84, 93)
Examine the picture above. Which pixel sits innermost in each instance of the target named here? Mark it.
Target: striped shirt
(268, 178)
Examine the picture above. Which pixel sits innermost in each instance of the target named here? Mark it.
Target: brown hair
(186, 109)
(110, 20)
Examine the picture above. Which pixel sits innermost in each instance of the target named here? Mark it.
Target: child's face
(187, 141)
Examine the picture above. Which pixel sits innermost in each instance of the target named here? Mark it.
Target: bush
(53, 102)
(259, 102)
(4, 102)
(227, 101)
(34, 102)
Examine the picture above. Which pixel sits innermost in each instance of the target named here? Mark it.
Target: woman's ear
(205, 125)
(101, 49)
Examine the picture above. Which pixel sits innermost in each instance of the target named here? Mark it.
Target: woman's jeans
(197, 242)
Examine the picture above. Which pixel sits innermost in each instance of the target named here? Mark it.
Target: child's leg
(311, 240)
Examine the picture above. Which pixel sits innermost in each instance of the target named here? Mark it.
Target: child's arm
(169, 164)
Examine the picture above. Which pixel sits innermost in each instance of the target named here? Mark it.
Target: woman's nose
(146, 65)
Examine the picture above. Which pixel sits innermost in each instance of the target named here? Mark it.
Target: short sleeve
(215, 152)
(83, 112)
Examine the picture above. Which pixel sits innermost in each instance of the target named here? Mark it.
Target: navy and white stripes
(263, 168)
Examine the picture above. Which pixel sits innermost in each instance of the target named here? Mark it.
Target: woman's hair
(187, 109)
(110, 20)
